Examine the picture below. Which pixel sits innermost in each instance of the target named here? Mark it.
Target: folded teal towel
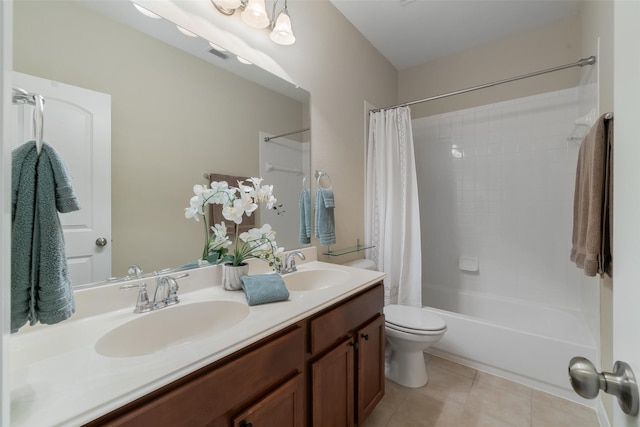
(264, 288)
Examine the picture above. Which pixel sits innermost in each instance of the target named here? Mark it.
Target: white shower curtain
(392, 215)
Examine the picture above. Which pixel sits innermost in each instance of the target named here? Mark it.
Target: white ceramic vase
(231, 276)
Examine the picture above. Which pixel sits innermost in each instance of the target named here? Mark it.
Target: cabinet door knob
(354, 344)
(365, 336)
(245, 424)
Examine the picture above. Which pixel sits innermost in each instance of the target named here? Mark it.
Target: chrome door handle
(588, 382)
(101, 241)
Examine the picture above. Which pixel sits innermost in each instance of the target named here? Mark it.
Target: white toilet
(409, 331)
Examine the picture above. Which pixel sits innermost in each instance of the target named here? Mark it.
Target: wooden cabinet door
(280, 408)
(370, 374)
(332, 387)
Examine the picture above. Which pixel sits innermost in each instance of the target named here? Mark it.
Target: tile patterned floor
(459, 396)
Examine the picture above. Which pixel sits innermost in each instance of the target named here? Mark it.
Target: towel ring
(305, 185)
(319, 175)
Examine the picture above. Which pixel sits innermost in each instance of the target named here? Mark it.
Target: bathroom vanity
(311, 370)
(315, 360)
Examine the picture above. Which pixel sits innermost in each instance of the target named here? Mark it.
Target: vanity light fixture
(217, 47)
(186, 32)
(255, 15)
(146, 12)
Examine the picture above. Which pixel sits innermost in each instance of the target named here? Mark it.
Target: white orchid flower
(194, 209)
(255, 181)
(220, 230)
(233, 211)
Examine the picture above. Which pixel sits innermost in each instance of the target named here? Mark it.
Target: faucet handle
(172, 298)
(142, 304)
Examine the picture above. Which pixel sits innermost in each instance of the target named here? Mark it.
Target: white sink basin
(310, 280)
(171, 326)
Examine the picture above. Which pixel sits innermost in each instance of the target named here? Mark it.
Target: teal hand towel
(40, 286)
(264, 288)
(324, 219)
(305, 216)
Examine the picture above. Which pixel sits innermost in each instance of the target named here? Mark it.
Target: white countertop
(58, 378)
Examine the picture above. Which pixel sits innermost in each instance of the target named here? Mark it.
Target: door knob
(588, 382)
(101, 241)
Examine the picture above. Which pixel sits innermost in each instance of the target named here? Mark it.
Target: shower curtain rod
(269, 138)
(581, 63)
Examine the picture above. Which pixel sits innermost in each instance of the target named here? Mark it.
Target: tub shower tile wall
(496, 182)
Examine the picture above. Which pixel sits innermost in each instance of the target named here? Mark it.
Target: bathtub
(526, 343)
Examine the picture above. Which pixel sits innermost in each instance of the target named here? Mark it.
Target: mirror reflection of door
(77, 124)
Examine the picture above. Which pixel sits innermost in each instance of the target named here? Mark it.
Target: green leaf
(213, 257)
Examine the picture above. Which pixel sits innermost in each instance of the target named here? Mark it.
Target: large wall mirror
(174, 116)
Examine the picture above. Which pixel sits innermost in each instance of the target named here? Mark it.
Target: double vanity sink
(79, 370)
(183, 323)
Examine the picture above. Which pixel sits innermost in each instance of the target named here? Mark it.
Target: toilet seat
(393, 327)
(413, 320)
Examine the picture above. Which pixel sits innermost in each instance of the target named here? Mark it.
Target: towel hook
(319, 175)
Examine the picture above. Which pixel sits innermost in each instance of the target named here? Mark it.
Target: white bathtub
(527, 343)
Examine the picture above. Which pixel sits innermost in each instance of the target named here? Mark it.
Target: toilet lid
(408, 318)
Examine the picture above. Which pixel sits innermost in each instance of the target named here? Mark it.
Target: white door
(626, 194)
(77, 123)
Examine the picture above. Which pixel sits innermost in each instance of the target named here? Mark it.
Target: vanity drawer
(333, 325)
(209, 396)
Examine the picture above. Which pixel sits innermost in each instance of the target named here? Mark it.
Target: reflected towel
(264, 288)
(592, 203)
(305, 216)
(324, 219)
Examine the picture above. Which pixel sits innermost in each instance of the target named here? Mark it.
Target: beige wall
(174, 117)
(597, 22)
(333, 61)
(555, 44)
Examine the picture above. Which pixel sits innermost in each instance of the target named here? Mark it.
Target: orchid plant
(236, 202)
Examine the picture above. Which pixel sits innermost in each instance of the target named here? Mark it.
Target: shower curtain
(392, 217)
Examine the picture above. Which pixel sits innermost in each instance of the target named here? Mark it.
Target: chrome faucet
(135, 271)
(166, 294)
(290, 262)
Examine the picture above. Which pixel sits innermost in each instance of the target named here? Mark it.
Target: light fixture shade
(186, 32)
(229, 4)
(255, 14)
(146, 12)
(282, 33)
(217, 47)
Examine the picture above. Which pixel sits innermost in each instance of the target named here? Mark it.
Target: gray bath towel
(40, 286)
(592, 204)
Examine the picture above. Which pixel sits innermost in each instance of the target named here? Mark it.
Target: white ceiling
(412, 32)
